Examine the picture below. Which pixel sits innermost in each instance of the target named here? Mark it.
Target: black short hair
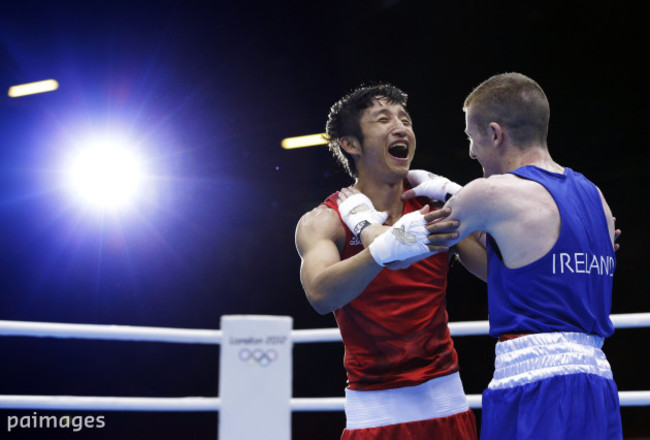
(345, 114)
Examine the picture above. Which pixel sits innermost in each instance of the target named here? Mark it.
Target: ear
(497, 133)
(350, 145)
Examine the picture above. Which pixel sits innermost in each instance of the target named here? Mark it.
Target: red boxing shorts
(461, 426)
(434, 409)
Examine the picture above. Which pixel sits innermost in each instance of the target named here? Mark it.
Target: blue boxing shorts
(551, 386)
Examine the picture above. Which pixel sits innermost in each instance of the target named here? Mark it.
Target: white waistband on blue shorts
(542, 355)
(440, 397)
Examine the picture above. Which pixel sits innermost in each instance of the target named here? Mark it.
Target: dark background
(208, 90)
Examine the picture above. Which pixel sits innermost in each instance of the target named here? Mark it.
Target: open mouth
(399, 150)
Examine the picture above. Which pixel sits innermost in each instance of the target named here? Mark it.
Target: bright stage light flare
(33, 88)
(105, 176)
(309, 140)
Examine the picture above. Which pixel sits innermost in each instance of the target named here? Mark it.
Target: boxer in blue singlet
(550, 247)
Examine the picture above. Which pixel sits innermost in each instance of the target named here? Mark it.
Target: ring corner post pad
(255, 377)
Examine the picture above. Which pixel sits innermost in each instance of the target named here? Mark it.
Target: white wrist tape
(431, 185)
(357, 212)
(406, 239)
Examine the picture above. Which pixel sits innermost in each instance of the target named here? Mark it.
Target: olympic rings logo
(260, 357)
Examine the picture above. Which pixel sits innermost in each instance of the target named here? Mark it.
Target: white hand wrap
(431, 185)
(406, 239)
(357, 212)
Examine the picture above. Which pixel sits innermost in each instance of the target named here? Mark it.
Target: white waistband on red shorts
(542, 355)
(440, 397)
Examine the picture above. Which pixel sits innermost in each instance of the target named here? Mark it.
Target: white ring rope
(109, 332)
(150, 403)
(197, 336)
(210, 404)
(111, 403)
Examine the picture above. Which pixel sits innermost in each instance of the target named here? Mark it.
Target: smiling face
(388, 139)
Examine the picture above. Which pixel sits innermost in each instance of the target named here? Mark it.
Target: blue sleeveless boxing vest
(570, 288)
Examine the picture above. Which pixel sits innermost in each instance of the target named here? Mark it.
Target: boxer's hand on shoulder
(430, 185)
(405, 240)
(442, 230)
(357, 210)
